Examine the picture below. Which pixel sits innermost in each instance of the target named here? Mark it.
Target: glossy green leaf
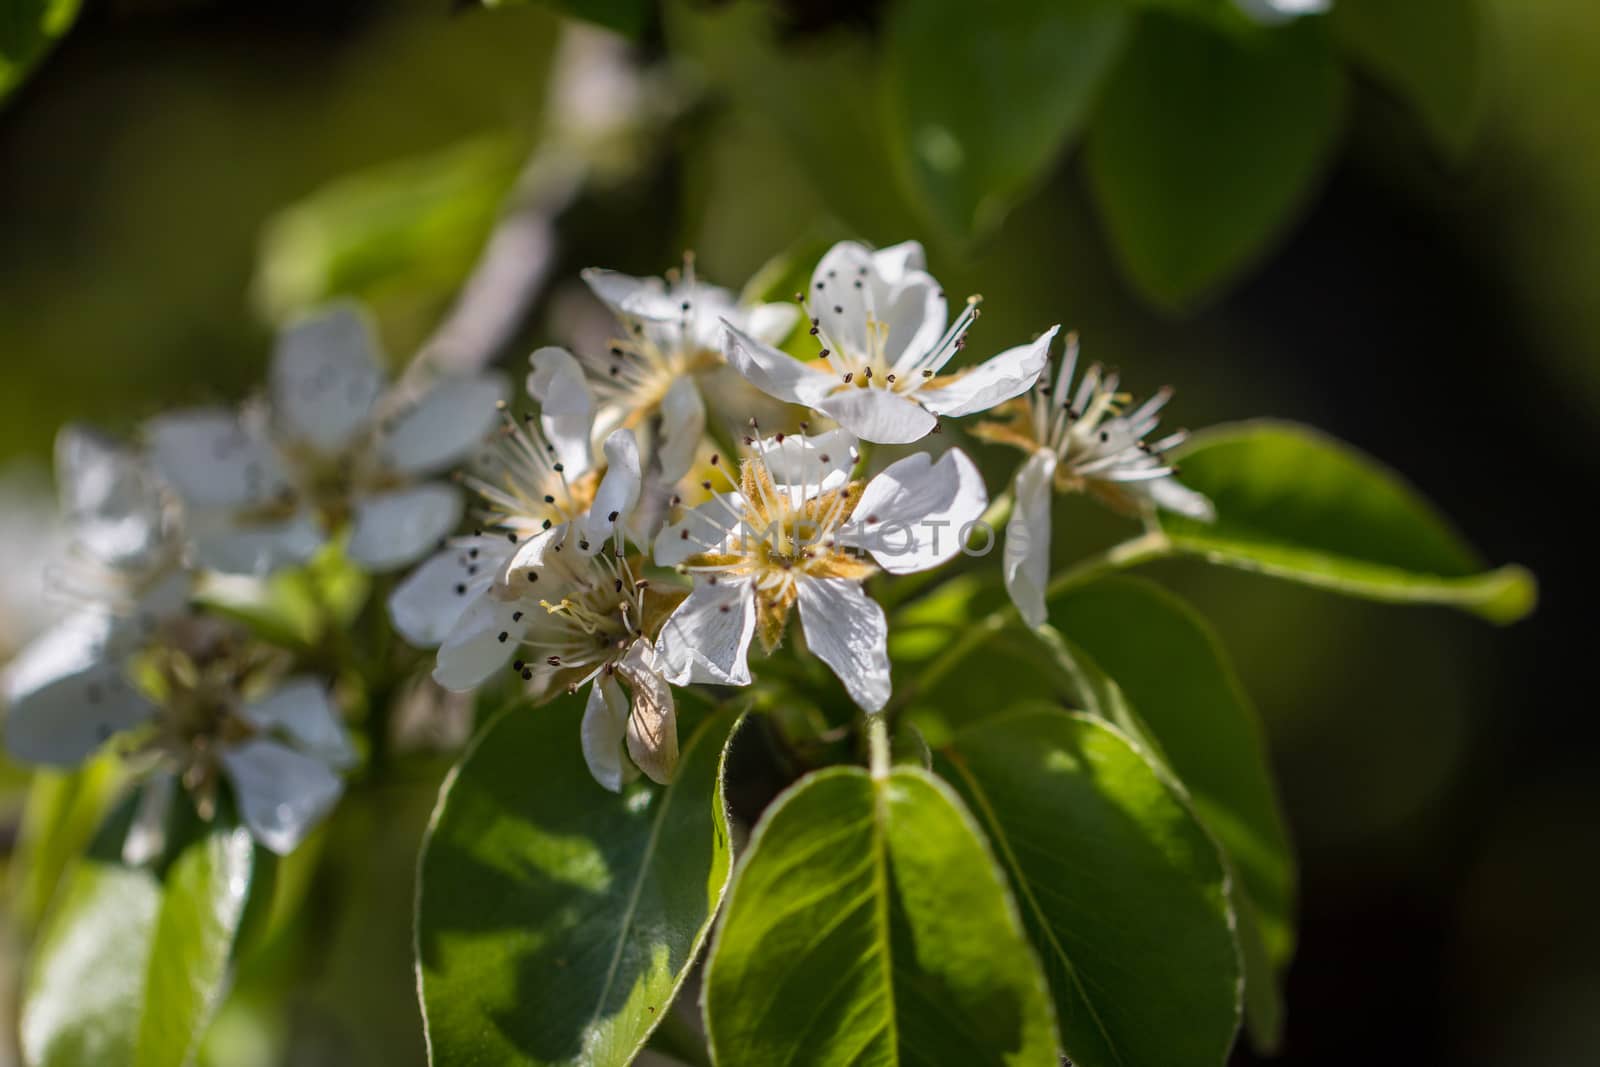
(28, 30)
(627, 17)
(1169, 665)
(980, 109)
(556, 920)
(408, 229)
(1296, 504)
(869, 924)
(132, 960)
(203, 900)
(1429, 52)
(1206, 144)
(1122, 890)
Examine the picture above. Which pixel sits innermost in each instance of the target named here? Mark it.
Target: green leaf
(923, 631)
(408, 230)
(58, 822)
(1205, 146)
(1121, 888)
(556, 920)
(980, 113)
(868, 923)
(1429, 52)
(627, 17)
(1296, 504)
(203, 901)
(132, 960)
(28, 30)
(1170, 666)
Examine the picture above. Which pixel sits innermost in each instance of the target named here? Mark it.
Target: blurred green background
(177, 173)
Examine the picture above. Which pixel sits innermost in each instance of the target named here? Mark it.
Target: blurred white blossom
(333, 451)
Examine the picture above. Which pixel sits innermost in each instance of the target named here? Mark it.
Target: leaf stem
(878, 745)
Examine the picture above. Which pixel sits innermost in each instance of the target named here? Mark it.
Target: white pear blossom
(1089, 440)
(280, 746)
(649, 379)
(68, 690)
(536, 475)
(74, 688)
(883, 325)
(265, 488)
(794, 530)
(563, 619)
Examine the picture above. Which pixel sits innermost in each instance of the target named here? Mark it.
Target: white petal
(211, 458)
(445, 425)
(911, 516)
(428, 604)
(842, 284)
(535, 553)
(683, 424)
(147, 835)
(617, 494)
(768, 323)
(880, 415)
(846, 629)
(653, 721)
(707, 639)
(221, 545)
(773, 372)
(605, 724)
(894, 263)
(566, 408)
(109, 496)
(700, 529)
(993, 381)
(281, 793)
(476, 649)
(326, 375)
(1172, 495)
(302, 709)
(1274, 12)
(630, 297)
(820, 461)
(1027, 552)
(395, 528)
(916, 314)
(65, 692)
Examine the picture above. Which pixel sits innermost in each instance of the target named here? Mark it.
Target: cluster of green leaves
(1087, 861)
(1202, 133)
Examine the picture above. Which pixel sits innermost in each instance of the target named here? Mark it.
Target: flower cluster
(634, 532)
(566, 582)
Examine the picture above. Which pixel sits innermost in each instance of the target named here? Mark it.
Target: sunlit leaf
(409, 228)
(1206, 144)
(981, 108)
(869, 923)
(132, 960)
(1296, 504)
(1122, 891)
(556, 920)
(1429, 52)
